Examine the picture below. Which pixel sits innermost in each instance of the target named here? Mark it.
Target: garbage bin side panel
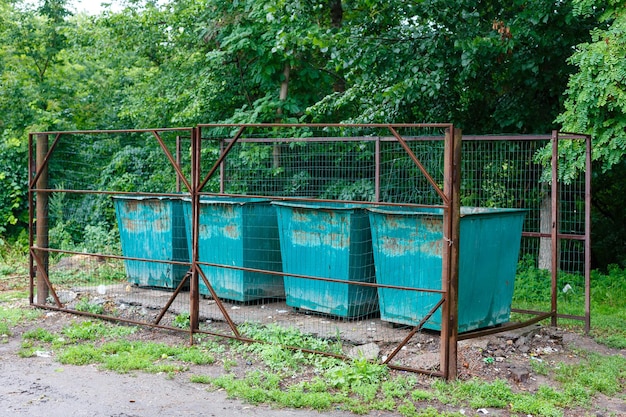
(410, 245)
(242, 233)
(407, 253)
(487, 267)
(363, 300)
(152, 229)
(261, 250)
(327, 241)
(220, 242)
(314, 243)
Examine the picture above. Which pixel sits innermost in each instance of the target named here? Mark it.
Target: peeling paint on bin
(152, 228)
(408, 246)
(327, 240)
(242, 232)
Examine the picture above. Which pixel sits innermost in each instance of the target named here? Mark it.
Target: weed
(94, 330)
(358, 372)
(40, 334)
(200, 379)
(608, 295)
(11, 317)
(408, 409)
(541, 404)
(13, 295)
(291, 337)
(397, 387)
(421, 395)
(262, 387)
(27, 349)
(540, 368)
(87, 306)
(195, 356)
(182, 320)
(5, 332)
(229, 364)
(595, 374)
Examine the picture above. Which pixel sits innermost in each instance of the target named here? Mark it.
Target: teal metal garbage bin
(152, 228)
(408, 245)
(327, 240)
(238, 232)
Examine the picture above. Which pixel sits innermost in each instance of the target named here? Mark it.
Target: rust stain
(228, 212)
(433, 224)
(392, 221)
(135, 213)
(231, 231)
(392, 246)
(314, 239)
(299, 215)
(432, 247)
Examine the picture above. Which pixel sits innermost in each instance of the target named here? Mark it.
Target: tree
(486, 66)
(596, 104)
(596, 94)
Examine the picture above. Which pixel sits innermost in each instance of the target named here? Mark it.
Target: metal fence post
(194, 292)
(450, 276)
(42, 218)
(555, 226)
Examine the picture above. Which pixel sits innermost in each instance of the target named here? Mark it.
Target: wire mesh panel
(114, 223)
(323, 181)
(517, 172)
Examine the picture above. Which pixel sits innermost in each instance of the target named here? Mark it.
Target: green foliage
(493, 67)
(181, 320)
(124, 356)
(291, 337)
(95, 330)
(13, 209)
(90, 273)
(595, 98)
(595, 374)
(84, 304)
(532, 284)
(472, 60)
(39, 334)
(358, 372)
(608, 298)
(12, 316)
(546, 402)
(608, 231)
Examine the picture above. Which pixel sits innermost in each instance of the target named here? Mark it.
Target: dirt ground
(41, 386)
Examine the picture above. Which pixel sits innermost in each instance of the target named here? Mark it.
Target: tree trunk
(545, 226)
(284, 89)
(336, 13)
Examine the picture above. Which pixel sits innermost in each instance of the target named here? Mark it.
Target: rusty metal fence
(230, 229)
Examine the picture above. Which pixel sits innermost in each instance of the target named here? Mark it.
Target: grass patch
(95, 330)
(124, 356)
(90, 272)
(594, 374)
(608, 299)
(13, 295)
(498, 394)
(88, 307)
(12, 316)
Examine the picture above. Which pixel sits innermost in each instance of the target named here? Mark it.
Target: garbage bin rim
(210, 200)
(145, 197)
(320, 205)
(425, 211)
